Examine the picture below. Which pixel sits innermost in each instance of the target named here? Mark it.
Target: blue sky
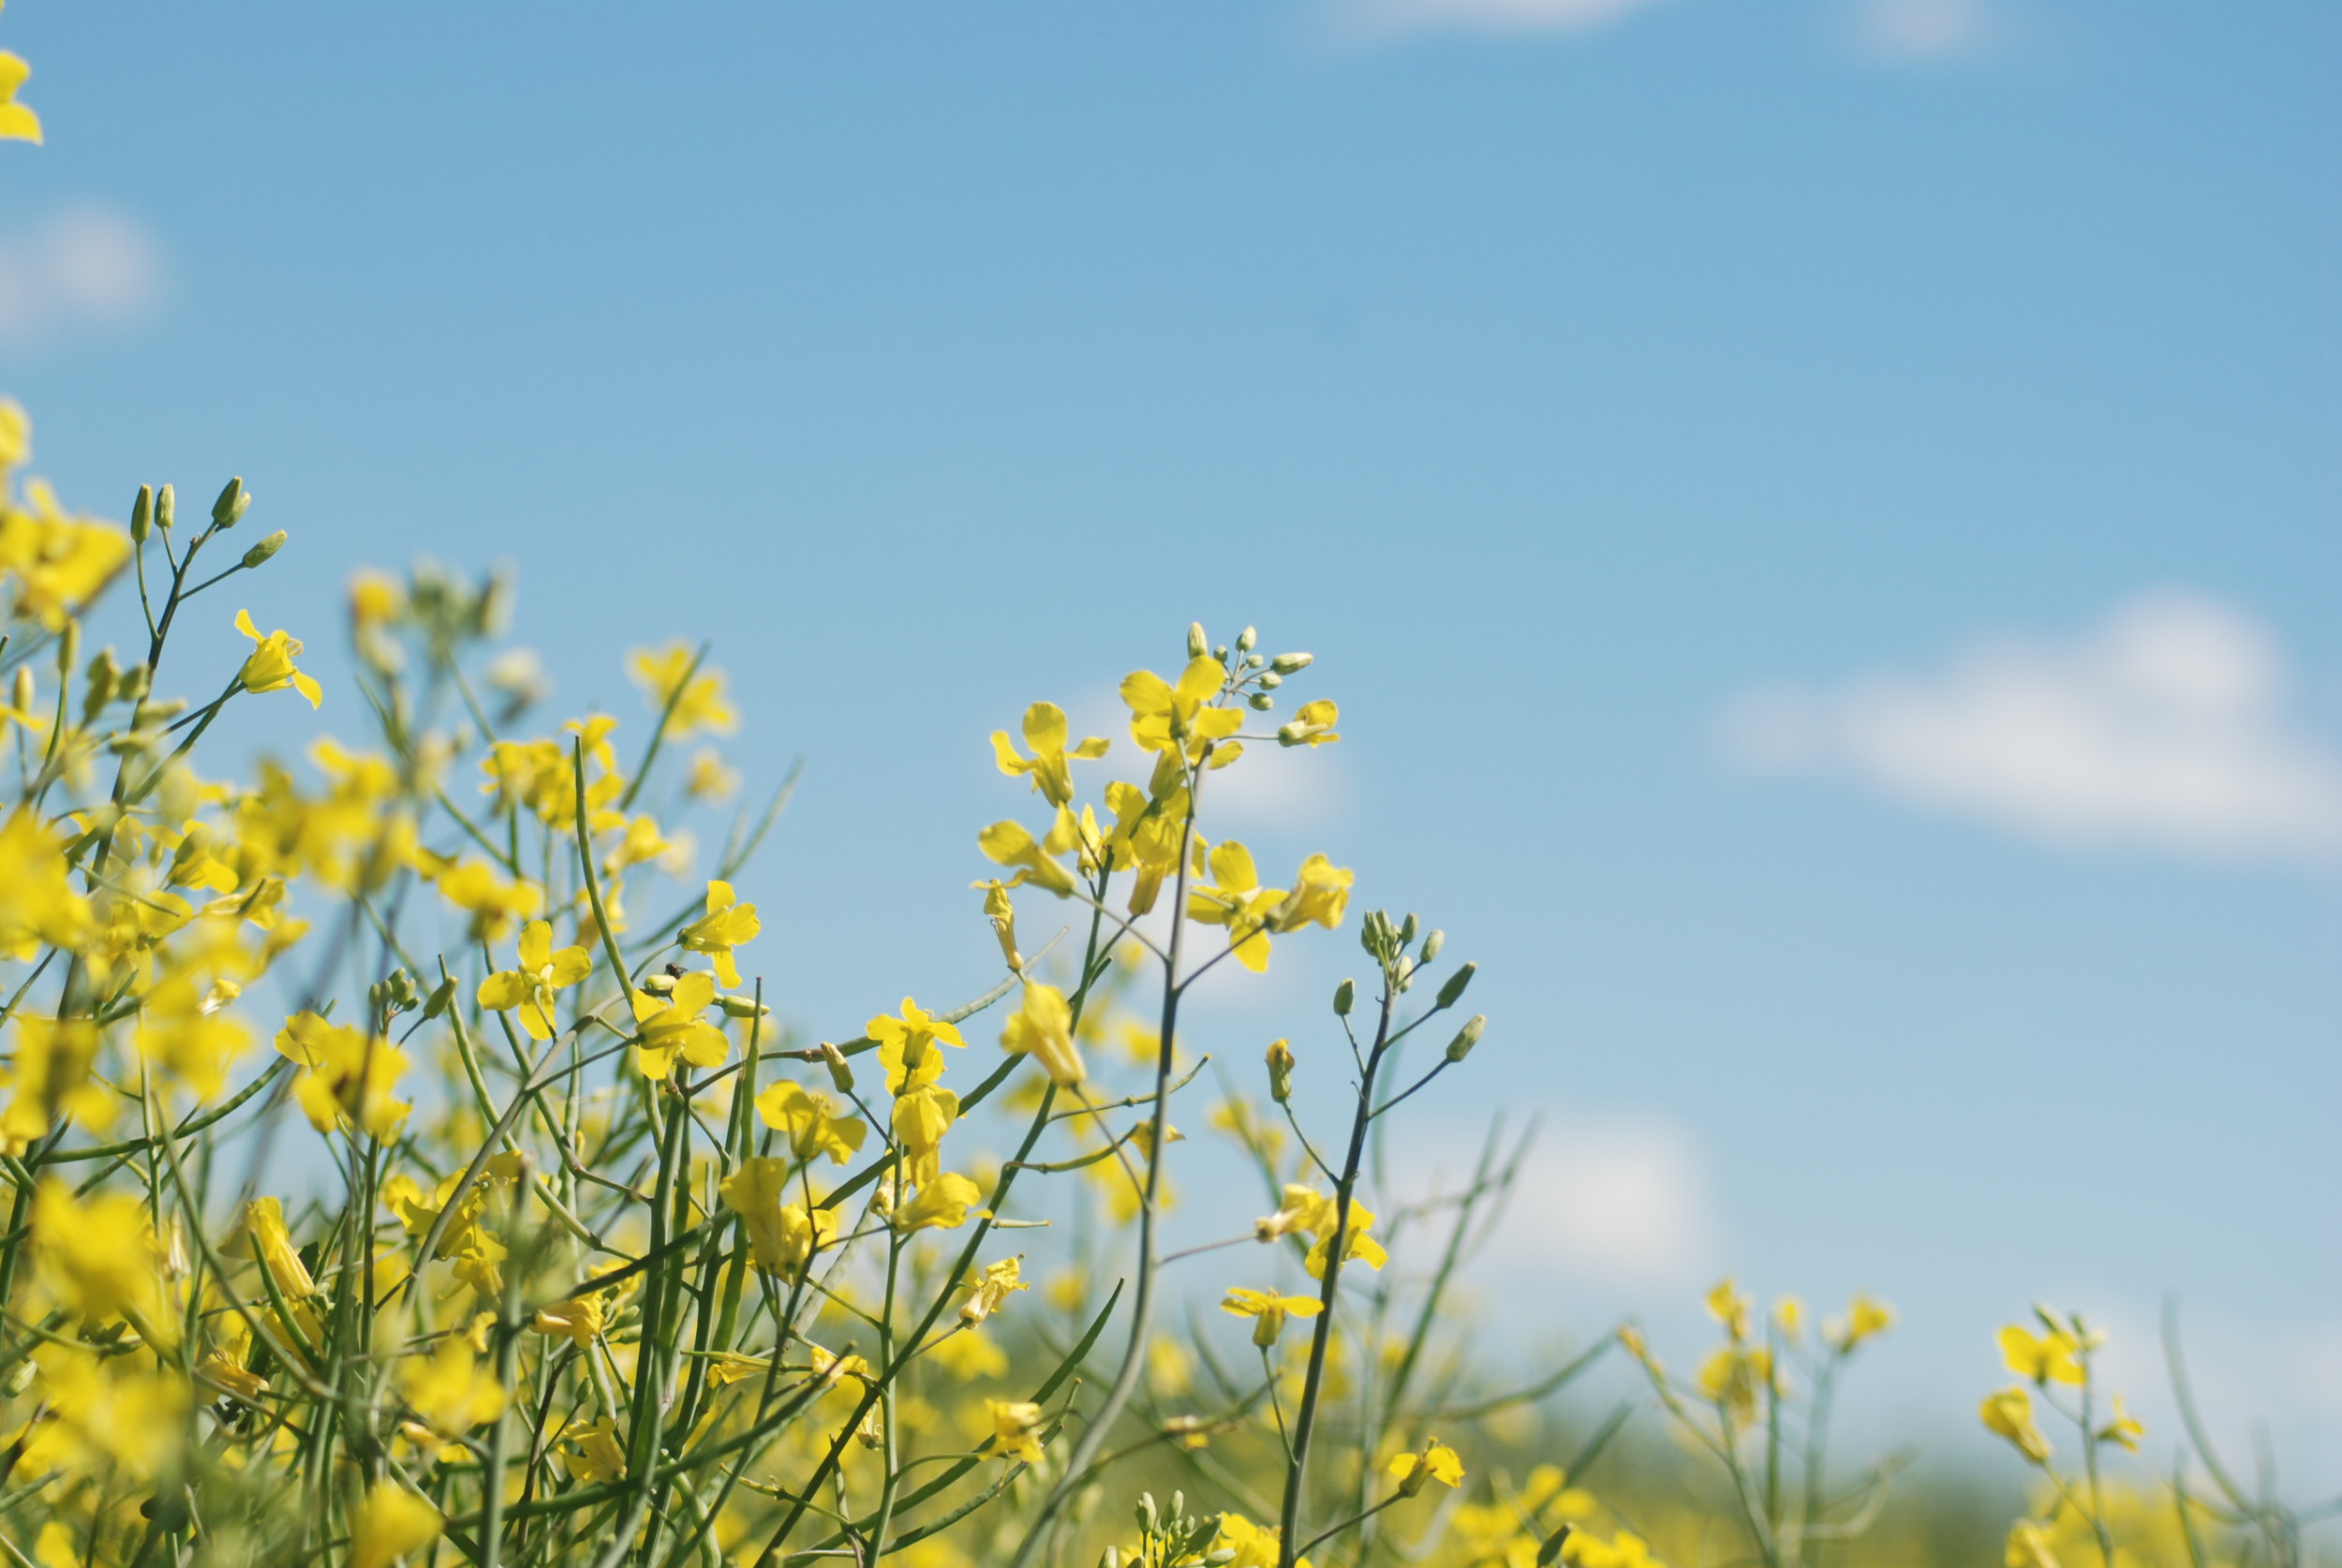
(1821, 518)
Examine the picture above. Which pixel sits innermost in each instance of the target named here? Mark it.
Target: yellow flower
(2123, 1427)
(597, 1456)
(2049, 1357)
(1865, 1316)
(1017, 1429)
(16, 426)
(495, 903)
(922, 1117)
(579, 1318)
(1012, 843)
(1173, 719)
(726, 927)
(264, 1223)
(1733, 1376)
(1268, 1310)
(992, 1290)
(1235, 898)
(943, 1204)
(1045, 732)
(37, 904)
(1313, 725)
(781, 1236)
(1043, 1029)
(1437, 1462)
(102, 1415)
(1311, 1212)
(698, 699)
(55, 1079)
(673, 1027)
(270, 665)
(531, 987)
(790, 1108)
(2028, 1547)
(1626, 1550)
(17, 124)
(1729, 1304)
(59, 562)
(98, 1256)
(906, 1045)
(1255, 1546)
(451, 1391)
(350, 1075)
(2009, 1414)
(1321, 892)
(1002, 916)
(710, 779)
(390, 1524)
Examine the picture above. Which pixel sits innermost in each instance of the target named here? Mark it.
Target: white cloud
(1613, 1204)
(1384, 17)
(1923, 29)
(2165, 728)
(86, 266)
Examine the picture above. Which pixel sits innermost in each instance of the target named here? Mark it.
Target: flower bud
(149, 712)
(22, 691)
(69, 650)
(1407, 929)
(840, 1074)
(1271, 681)
(659, 984)
(142, 514)
(1279, 1070)
(1467, 1037)
(1197, 641)
(263, 550)
(1345, 995)
(1452, 993)
(1245, 639)
(132, 684)
(233, 503)
(441, 995)
(1433, 942)
(1260, 702)
(1285, 665)
(166, 505)
(743, 1007)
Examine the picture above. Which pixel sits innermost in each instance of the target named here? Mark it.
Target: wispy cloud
(1922, 30)
(84, 267)
(1372, 18)
(2165, 728)
(1609, 1203)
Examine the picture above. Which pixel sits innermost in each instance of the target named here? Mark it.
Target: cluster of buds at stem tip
(234, 501)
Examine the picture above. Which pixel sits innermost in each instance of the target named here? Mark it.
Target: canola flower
(605, 1262)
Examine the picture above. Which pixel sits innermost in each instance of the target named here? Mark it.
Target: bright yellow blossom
(17, 124)
(1043, 1029)
(691, 702)
(1017, 1429)
(672, 1026)
(451, 1390)
(807, 1122)
(1436, 1462)
(2009, 1414)
(38, 906)
(906, 1045)
(1313, 725)
(390, 1524)
(270, 665)
(992, 1290)
(943, 1204)
(2051, 1356)
(1268, 1310)
(1045, 732)
(1174, 719)
(727, 924)
(542, 970)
